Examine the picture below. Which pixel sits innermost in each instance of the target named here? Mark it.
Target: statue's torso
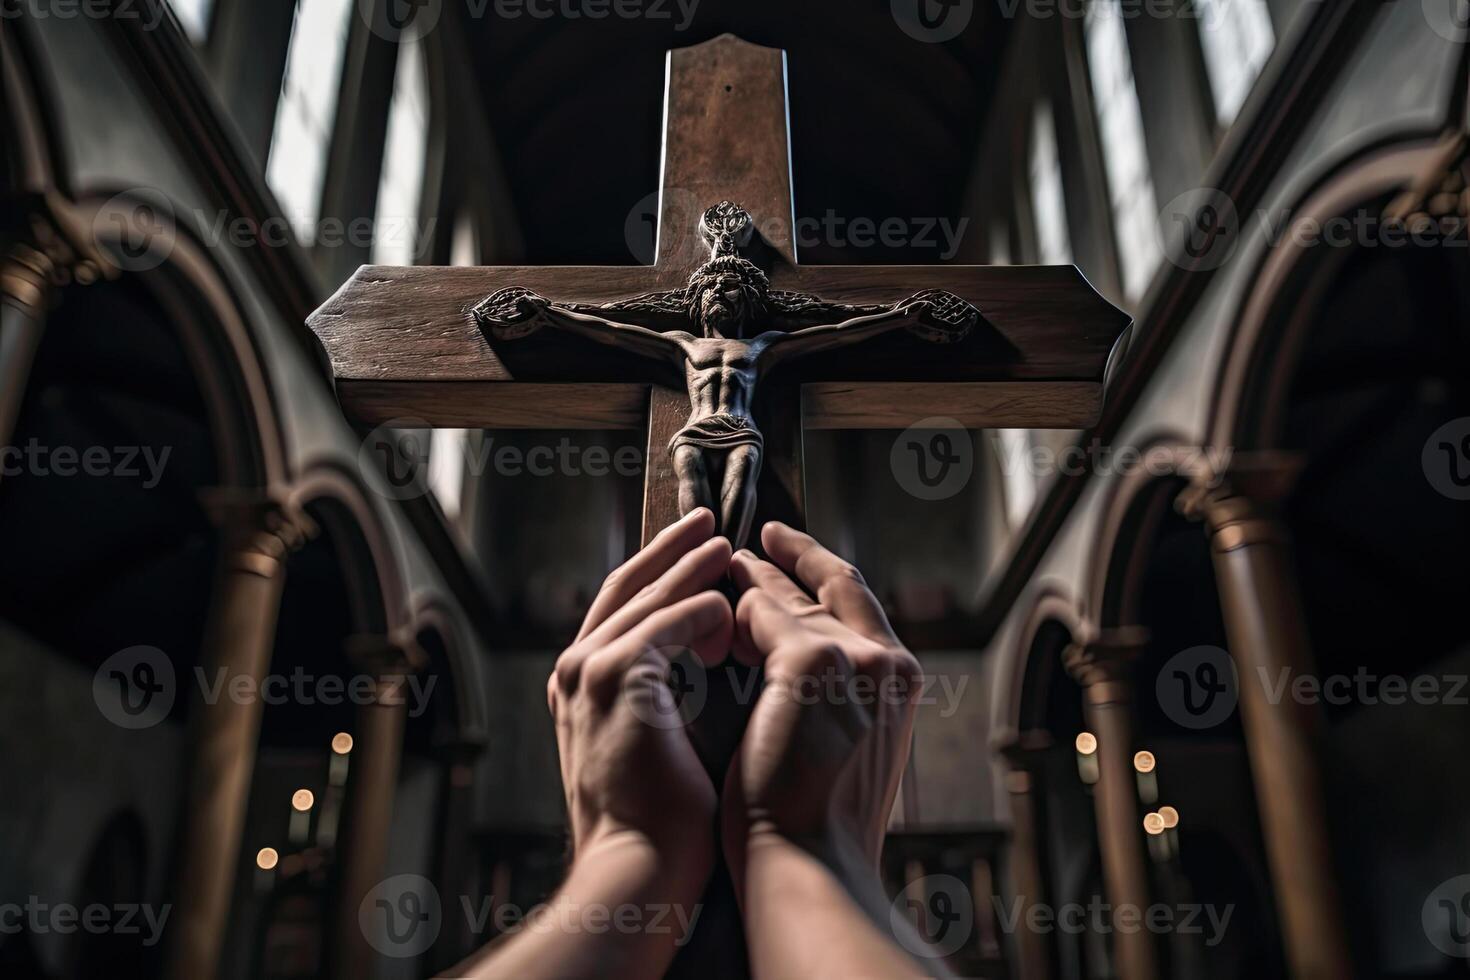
(722, 374)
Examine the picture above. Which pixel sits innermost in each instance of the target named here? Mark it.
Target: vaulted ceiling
(883, 125)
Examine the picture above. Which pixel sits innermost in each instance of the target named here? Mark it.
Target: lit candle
(1087, 767)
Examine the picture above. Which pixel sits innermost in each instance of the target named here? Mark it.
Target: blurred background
(1201, 658)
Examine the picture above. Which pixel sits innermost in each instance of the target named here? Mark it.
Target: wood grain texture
(413, 324)
(666, 410)
(781, 493)
(825, 405)
(1039, 322)
(725, 139)
(493, 404)
(975, 405)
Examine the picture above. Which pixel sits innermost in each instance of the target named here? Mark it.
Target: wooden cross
(405, 343)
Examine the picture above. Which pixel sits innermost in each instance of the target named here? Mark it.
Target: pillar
(239, 638)
(1104, 668)
(371, 788)
(52, 249)
(1266, 632)
(1025, 753)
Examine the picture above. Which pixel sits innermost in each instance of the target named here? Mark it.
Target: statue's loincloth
(721, 431)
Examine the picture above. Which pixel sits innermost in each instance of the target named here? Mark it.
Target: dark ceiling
(883, 125)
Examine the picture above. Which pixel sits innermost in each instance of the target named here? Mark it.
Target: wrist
(681, 862)
(837, 850)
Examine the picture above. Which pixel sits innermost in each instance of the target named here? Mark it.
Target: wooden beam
(725, 138)
(391, 323)
(825, 405)
(413, 324)
(495, 404)
(1044, 322)
(1014, 405)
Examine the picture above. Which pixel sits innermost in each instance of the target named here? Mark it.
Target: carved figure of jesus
(738, 329)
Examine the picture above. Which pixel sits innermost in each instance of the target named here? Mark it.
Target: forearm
(811, 913)
(814, 340)
(624, 911)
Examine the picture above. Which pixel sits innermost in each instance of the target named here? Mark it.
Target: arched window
(1237, 39)
(307, 111)
(1120, 122)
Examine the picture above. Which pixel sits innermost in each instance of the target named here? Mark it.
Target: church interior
(1175, 549)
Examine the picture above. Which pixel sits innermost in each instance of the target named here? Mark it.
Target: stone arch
(207, 316)
(1053, 615)
(1136, 502)
(451, 649)
(335, 500)
(1265, 345)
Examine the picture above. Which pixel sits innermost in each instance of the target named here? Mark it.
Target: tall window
(1237, 38)
(307, 111)
(1120, 120)
(395, 233)
(1053, 241)
(193, 16)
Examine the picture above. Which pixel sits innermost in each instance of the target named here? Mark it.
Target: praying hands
(803, 809)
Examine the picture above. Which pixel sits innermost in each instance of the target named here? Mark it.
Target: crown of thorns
(715, 269)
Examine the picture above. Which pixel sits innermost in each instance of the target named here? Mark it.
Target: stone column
(238, 641)
(54, 250)
(372, 786)
(1267, 635)
(1104, 668)
(25, 289)
(454, 874)
(1025, 754)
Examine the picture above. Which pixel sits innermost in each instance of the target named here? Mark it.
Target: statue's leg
(737, 495)
(693, 472)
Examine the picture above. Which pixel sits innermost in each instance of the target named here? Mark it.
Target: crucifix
(744, 331)
(726, 349)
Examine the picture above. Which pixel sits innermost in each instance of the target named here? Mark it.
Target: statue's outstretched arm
(515, 312)
(935, 315)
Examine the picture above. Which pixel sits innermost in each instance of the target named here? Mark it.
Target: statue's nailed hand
(940, 316)
(512, 313)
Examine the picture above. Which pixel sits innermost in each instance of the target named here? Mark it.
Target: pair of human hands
(825, 746)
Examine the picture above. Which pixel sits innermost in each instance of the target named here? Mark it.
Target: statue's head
(727, 296)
